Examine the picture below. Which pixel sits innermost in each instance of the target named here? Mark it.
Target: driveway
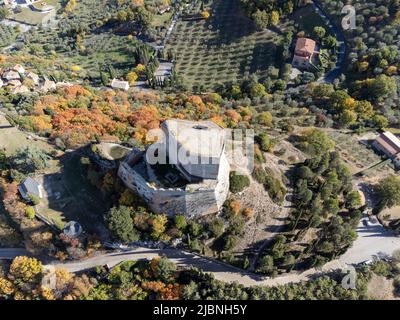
(337, 71)
(373, 242)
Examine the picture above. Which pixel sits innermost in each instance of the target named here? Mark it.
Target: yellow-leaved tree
(25, 269)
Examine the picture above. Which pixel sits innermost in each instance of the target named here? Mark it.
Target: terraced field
(225, 48)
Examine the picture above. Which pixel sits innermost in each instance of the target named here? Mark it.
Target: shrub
(259, 175)
(238, 182)
(274, 187)
(216, 227)
(180, 222)
(34, 199)
(30, 212)
(264, 141)
(230, 242)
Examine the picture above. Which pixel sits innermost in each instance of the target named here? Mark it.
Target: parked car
(373, 220)
(367, 262)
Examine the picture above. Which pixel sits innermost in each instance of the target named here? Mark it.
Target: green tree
(238, 182)
(165, 270)
(216, 227)
(380, 121)
(347, 118)
(319, 32)
(3, 13)
(120, 223)
(353, 200)
(30, 212)
(261, 19)
(180, 222)
(265, 118)
(388, 191)
(266, 264)
(316, 142)
(257, 90)
(30, 159)
(264, 141)
(381, 87)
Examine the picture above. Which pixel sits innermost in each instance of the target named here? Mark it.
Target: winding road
(373, 242)
(221, 271)
(330, 76)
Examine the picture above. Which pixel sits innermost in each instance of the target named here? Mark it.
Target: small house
(118, 84)
(30, 187)
(304, 53)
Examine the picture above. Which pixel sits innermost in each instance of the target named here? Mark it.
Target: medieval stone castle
(187, 172)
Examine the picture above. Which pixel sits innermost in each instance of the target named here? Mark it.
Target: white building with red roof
(389, 144)
(304, 53)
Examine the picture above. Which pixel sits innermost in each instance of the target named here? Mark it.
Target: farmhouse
(191, 174)
(304, 53)
(389, 144)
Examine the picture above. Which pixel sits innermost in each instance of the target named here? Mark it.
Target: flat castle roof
(199, 138)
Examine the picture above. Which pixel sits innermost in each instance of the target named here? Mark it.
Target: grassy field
(70, 197)
(357, 156)
(160, 20)
(223, 48)
(11, 139)
(104, 46)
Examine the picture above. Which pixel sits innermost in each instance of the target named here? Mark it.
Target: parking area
(374, 242)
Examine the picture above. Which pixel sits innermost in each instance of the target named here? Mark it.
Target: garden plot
(222, 49)
(358, 156)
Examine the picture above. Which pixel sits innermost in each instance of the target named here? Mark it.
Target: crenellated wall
(194, 200)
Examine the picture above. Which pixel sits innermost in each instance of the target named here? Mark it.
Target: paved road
(337, 71)
(221, 271)
(11, 253)
(373, 241)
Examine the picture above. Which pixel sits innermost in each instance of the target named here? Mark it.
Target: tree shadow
(69, 196)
